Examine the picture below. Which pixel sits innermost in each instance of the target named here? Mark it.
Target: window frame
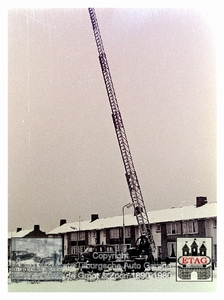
(173, 228)
(190, 227)
(114, 233)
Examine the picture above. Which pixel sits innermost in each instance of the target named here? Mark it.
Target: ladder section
(131, 176)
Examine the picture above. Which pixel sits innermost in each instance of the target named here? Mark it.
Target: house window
(77, 249)
(190, 227)
(173, 228)
(74, 236)
(114, 233)
(81, 236)
(169, 228)
(127, 232)
(117, 248)
(74, 250)
(158, 228)
(171, 249)
(78, 236)
(159, 251)
(215, 223)
(104, 232)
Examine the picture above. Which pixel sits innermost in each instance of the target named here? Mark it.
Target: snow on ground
(117, 283)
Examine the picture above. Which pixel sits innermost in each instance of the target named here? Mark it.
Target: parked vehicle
(43, 258)
(21, 255)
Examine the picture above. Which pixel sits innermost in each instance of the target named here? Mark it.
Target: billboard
(36, 259)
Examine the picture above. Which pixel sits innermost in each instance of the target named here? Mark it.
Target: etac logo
(194, 259)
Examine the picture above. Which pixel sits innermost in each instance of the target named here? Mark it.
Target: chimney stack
(94, 217)
(18, 229)
(36, 227)
(62, 222)
(200, 201)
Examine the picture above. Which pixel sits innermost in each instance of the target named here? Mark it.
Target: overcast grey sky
(64, 159)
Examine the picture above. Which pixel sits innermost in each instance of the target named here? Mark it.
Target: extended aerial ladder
(131, 176)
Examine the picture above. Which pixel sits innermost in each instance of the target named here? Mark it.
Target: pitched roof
(71, 227)
(166, 215)
(20, 233)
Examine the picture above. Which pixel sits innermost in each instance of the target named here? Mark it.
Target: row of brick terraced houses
(199, 220)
